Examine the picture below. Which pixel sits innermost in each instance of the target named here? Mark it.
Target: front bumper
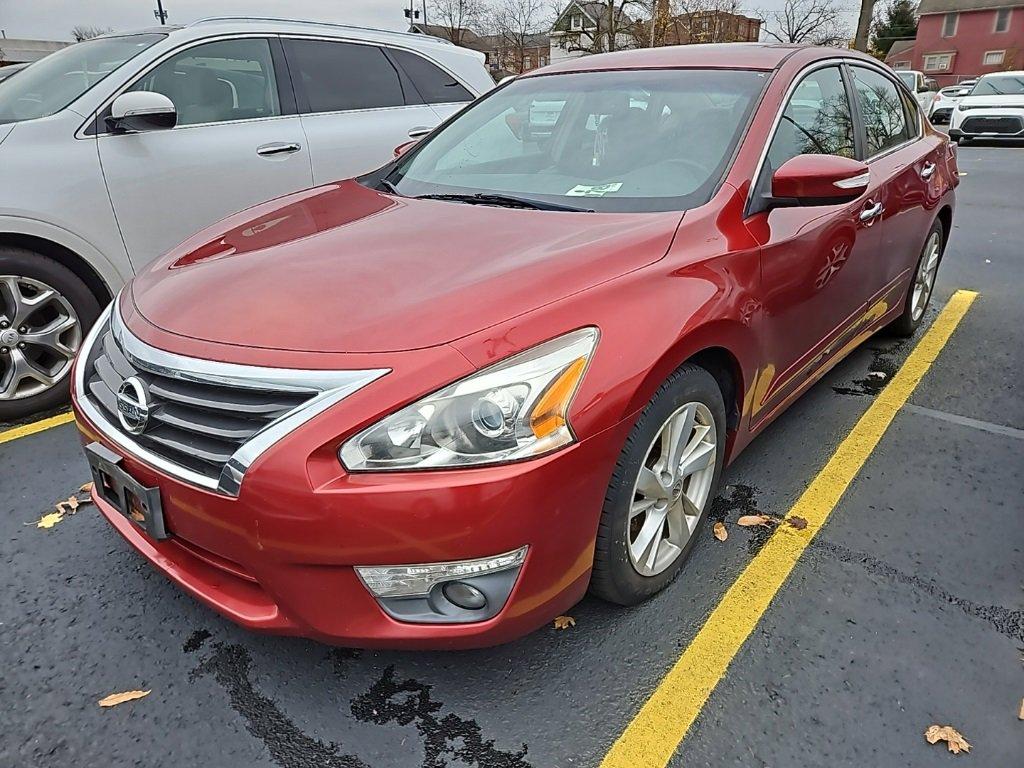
(280, 557)
(987, 124)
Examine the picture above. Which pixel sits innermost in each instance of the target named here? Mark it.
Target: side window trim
(860, 140)
(283, 76)
(95, 127)
(407, 78)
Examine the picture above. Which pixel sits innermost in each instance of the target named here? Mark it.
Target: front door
(235, 145)
(816, 261)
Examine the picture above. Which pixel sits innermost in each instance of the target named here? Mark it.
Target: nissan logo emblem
(133, 405)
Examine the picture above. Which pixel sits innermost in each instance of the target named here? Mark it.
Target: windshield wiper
(389, 187)
(507, 201)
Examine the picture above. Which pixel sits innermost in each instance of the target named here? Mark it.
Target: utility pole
(410, 13)
(160, 13)
(424, 13)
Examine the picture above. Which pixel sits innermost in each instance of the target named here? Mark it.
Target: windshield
(910, 78)
(999, 86)
(638, 140)
(52, 83)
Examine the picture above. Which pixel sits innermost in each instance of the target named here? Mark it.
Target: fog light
(418, 580)
(464, 595)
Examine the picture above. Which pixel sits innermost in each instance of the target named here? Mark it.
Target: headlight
(512, 410)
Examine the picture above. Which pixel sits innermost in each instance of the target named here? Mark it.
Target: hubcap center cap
(9, 337)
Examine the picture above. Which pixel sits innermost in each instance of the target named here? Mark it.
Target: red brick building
(961, 39)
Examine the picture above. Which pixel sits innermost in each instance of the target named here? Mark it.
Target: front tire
(663, 484)
(920, 291)
(45, 310)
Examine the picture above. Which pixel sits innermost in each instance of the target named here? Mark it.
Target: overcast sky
(54, 19)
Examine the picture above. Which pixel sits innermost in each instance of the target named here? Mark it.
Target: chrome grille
(207, 421)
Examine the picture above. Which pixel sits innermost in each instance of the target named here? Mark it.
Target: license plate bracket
(139, 504)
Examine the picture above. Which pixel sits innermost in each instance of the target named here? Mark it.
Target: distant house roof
(900, 48)
(466, 36)
(594, 12)
(17, 51)
(952, 6)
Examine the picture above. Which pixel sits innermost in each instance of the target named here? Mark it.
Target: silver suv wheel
(39, 335)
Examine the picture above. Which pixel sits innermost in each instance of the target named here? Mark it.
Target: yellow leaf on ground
(948, 734)
(50, 520)
(120, 698)
(751, 520)
(720, 533)
(564, 622)
(797, 522)
(86, 488)
(1021, 715)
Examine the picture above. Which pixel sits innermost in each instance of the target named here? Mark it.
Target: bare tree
(83, 32)
(815, 22)
(515, 22)
(612, 27)
(454, 17)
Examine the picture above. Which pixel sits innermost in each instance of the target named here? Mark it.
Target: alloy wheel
(671, 489)
(924, 281)
(39, 335)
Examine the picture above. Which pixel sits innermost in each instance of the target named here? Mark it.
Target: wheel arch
(945, 216)
(63, 255)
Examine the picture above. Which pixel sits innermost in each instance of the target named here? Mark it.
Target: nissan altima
(434, 405)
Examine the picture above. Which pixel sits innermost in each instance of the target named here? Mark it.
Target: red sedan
(432, 406)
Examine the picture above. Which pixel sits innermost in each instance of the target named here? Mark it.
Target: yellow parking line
(36, 426)
(658, 729)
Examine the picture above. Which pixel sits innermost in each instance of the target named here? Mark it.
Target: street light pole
(160, 13)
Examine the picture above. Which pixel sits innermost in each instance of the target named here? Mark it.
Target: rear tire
(45, 312)
(652, 496)
(919, 293)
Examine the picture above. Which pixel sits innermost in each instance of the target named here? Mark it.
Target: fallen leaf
(120, 698)
(948, 734)
(72, 502)
(564, 622)
(50, 520)
(751, 520)
(1021, 715)
(876, 375)
(138, 516)
(720, 533)
(87, 488)
(796, 522)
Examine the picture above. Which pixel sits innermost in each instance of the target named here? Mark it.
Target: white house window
(993, 58)
(576, 21)
(1002, 20)
(949, 24)
(937, 62)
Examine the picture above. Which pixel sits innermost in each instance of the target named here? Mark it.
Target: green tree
(898, 21)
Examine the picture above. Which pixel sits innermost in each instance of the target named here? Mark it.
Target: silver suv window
(218, 81)
(52, 83)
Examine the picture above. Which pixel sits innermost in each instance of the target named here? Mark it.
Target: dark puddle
(882, 368)
(739, 501)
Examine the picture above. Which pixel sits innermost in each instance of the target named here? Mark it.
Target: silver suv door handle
(868, 214)
(927, 170)
(277, 148)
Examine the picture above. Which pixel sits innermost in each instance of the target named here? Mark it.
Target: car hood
(1009, 100)
(344, 268)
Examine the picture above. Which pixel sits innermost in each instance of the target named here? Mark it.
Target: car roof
(760, 56)
(221, 25)
(1008, 73)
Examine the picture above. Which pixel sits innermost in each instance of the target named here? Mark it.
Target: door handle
(277, 148)
(875, 209)
(927, 170)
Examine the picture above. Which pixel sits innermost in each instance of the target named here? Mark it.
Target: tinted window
(817, 120)
(434, 84)
(52, 83)
(885, 123)
(339, 76)
(217, 82)
(633, 140)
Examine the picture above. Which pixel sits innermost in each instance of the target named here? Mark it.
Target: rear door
(356, 105)
(905, 163)
(238, 142)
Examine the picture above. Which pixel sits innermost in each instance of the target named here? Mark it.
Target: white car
(945, 101)
(114, 150)
(993, 110)
(10, 69)
(922, 87)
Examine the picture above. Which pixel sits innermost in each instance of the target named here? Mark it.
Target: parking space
(905, 610)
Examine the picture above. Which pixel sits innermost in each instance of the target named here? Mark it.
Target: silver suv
(116, 149)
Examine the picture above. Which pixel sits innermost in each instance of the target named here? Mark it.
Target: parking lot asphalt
(904, 611)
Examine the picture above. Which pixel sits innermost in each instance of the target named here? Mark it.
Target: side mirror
(818, 180)
(142, 111)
